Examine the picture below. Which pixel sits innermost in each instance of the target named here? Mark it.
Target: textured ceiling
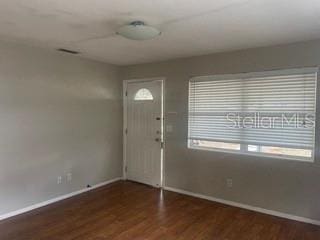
(190, 27)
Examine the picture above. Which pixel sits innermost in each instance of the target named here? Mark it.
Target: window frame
(244, 151)
(315, 151)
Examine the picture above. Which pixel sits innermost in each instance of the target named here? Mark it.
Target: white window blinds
(274, 108)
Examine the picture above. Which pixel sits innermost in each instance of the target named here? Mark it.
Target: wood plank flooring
(127, 210)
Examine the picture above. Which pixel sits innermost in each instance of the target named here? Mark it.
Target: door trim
(125, 105)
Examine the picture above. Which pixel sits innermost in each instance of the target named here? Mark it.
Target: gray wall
(58, 114)
(287, 186)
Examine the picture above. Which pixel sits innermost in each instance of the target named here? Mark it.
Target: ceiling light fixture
(138, 30)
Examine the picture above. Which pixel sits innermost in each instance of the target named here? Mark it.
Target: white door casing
(144, 131)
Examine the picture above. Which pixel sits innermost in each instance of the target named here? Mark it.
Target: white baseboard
(240, 205)
(57, 199)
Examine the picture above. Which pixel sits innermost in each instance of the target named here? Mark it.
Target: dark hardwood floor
(126, 210)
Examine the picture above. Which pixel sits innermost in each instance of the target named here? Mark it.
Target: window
(143, 94)
(212, 144)
(269, 113)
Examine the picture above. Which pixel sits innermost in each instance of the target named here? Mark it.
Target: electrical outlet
(229, 182)
(69, 177)
(59, 180)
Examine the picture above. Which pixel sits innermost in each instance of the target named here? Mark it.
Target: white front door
(144, 120)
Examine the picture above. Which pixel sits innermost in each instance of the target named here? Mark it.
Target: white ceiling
(189, 27)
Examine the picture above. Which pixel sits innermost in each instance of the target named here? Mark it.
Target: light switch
(169, 128)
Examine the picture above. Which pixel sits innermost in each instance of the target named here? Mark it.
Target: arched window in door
(143, 94)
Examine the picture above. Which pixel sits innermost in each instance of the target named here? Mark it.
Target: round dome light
(137, 30)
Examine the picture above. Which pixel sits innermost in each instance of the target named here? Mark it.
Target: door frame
(125, 120)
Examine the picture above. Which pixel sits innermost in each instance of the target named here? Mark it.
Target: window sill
(254, 154)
